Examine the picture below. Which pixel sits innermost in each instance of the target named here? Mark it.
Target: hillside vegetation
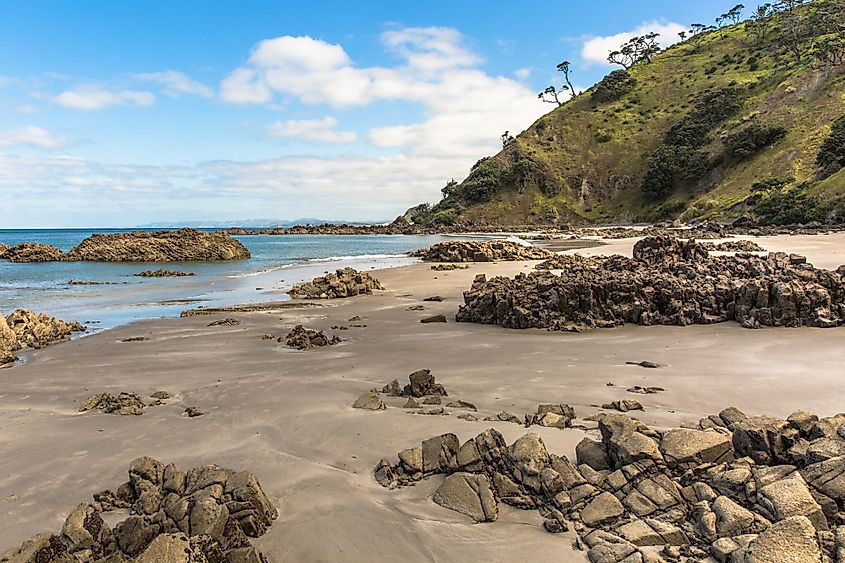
(747, 119)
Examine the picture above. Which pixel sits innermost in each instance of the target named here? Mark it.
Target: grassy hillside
(718, 126)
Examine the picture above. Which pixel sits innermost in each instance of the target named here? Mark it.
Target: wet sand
(287, 416)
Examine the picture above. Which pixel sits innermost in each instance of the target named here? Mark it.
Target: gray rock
(369, 401)
(686, 447)
(791, 497)
(601, 510)
(468, 494)
(795, 536)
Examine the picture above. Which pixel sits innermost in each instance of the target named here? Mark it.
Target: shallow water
(277, 262)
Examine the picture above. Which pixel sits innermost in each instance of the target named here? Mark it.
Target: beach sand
(287, 415)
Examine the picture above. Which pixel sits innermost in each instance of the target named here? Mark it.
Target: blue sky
(117, 113)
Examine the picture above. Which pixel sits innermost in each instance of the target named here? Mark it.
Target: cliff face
(739, 120)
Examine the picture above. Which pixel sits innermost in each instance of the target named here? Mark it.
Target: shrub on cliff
(753, 138)
(831, 155)
(613, 86)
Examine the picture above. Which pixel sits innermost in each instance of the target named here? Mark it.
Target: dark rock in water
(193, 412)
(481, 251)
(183, 245)
(667, 282)
(302, 338)
(205, 515)
(644, 390)
(644, 364)
(135, 339)
(346, 282)
(33, 252)
(161, 273)
(416, 308)
(434, 319)
(435, 298)
(225, 322)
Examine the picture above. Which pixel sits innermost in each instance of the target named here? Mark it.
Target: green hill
(733, 121)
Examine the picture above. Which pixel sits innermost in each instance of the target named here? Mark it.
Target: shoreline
(287, 416)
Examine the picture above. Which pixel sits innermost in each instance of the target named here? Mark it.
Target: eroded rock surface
(303, 338)
(346, 282)
(667, 282)
(207, 514)
(33, 252)
(481, 251)
(25, 329)
(183, 245)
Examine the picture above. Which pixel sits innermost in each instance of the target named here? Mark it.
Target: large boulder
(346, 282)
(468, 494)
(604, 508)
(791, 497)
(792, 540)
(687, 447)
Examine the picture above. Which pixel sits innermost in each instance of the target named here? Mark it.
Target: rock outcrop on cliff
(183, 245)
(346, 282)
(481, 251)
(668, 282)
(206, 514)
(25, 329)
(736, 488)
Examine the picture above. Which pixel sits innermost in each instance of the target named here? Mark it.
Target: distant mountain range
(247, 223)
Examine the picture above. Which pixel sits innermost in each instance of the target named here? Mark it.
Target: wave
(356, 257)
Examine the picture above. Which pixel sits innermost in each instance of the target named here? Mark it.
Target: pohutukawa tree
(732, 16)
(697, 32)
(553, 95)
(760, 22)
(507, 139)
(635, 50)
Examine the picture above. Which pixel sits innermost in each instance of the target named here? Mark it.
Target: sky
(120, 113)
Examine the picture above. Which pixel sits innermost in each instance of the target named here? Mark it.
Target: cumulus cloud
(322, 130)
(30, 136)
(91, 98)
(522, 73)
(596, 49)
(176, 83)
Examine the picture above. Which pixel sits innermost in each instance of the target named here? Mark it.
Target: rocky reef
(181, 245)
(204, 515)
(161, 273)
(346, 282)
(732, 487)
(667, 282)
(481, 251)
(25, 329)
(32, 252)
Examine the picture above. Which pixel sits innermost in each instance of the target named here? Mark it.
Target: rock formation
(183, 245)
(748, 489)
(25, 329)
(668, 282)
(124, 404)
(33, 252)
(346, 282)
(302, 338)
(204, 515)
(161, 273)
(481, 251)
(738, 245)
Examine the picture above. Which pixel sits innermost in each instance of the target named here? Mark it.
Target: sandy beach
(287, 415)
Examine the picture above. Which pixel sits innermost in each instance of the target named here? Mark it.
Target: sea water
(277, 262)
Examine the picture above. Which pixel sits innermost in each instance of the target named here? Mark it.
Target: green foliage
(483, 180)
(831, 155)
(711, 108)
(775, 204)
(613, 86)
(753, 138)
(669, 166)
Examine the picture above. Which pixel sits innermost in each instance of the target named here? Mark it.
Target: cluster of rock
(161, 273)
(668, 281)
(346, 282)
(736, 245)
(481, 251)
(204, 515)
(303, 338)
(448, 267)
(421, 385)
(124, 404)
(748, 489)
(25, 329)
(183, 245)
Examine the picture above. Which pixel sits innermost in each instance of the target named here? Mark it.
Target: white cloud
(321, 130)
(522, 73)
(26, 109)
(596, 49)
(176, 83)
(90, 98)
(30, 136)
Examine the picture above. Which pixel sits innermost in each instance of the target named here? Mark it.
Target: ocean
(277, 263)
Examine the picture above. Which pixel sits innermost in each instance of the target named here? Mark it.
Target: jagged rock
(225, 322)
(124, 404)
(602, 509)
(461, 405)
(481, 251)
(794, 536)
(369, 401)
(684, 447)
(738, 245)
(624, 405)
(644, 364)
(33, 252)
(173, 548)
(791, 497)
(733, 519)
(468, 494)
(411, 403)
(302, 338)
(644, 390)
(434, 319)
(161, 273)
(392, 389)
(761, 438)
(25, 329)
(439, 453)
(421, 383)
(160, 395)
(193, 412)
(504, 416)
(667, 282)
(592, 454)
(346, 282)
(181, 245)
